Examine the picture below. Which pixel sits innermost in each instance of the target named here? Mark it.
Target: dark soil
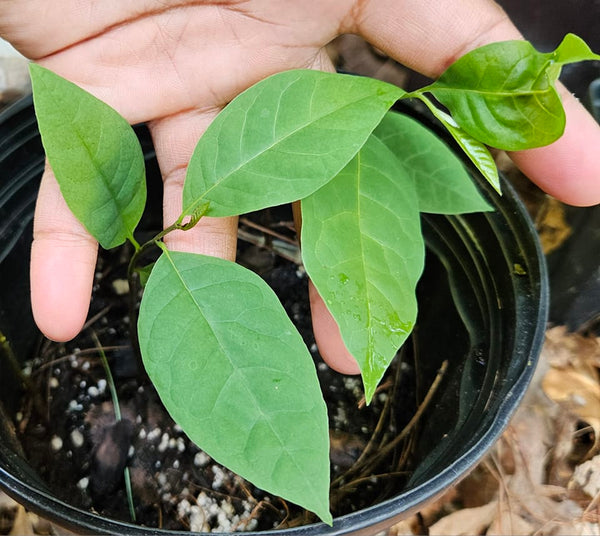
(70, 433)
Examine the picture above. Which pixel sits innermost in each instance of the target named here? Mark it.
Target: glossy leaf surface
(94, 154)
(572, 49)
(501, 95)
(282, 139)
(443, 184)
(363, 249)
(233, 371)
(477, 152)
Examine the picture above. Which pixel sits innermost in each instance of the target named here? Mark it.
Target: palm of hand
(154, 61)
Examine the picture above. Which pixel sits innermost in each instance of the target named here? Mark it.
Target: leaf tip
(326, 517)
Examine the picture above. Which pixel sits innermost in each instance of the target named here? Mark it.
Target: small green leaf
(144, 273)
(273, 143)
(501, 95)
(94, 154)
(234, 373)
(475, 150)
(572, 49)
(363, 249)
(442, 182)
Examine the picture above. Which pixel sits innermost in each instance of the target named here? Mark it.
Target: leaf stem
(133, 281)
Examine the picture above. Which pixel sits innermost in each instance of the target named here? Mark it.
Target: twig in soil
(283, 249)
(268, 231)
(92, 320)
(160, 516)
(284, 521)
(14, 363)
(386, 385)
(285, 224)
(385, 450)
(77, 354)
(117, 409)
(417, 416)
(350, 486)
(379, 428)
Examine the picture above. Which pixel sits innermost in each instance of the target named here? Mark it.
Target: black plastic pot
(483, 301)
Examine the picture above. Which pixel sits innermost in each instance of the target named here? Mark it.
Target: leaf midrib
(303, 126)
(370, 343)
(489, 93)
(99, 172)
(255, 401)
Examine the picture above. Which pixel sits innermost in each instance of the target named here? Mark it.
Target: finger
(175, 138)
(569, 168)
(328, 336)
(429, 35)
(63, 260)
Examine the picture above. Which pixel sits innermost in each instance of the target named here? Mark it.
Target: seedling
(224, 357)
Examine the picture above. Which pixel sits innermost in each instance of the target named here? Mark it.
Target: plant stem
(117, 409)
(133, 279)
(14, 362)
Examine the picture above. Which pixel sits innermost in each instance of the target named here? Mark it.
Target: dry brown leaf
(552, 225)
(563, 348)
(573, 381)
(577, 392)
(587, 477)
(22, 525)
(510, 522)
(403, 528)
(468, 522)
(441, 506)
(6, 502)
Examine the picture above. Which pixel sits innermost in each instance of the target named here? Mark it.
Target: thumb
(175, 138)
(63, 260)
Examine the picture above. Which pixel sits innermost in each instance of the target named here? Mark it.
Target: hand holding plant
(221, 352)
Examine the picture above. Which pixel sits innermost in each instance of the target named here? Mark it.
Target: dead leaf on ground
(573, 380)
(22, 524)
(468, 521)
(586, 477)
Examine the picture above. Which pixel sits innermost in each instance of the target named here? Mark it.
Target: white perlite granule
(56, 443)
(201, 459)
(77, 438)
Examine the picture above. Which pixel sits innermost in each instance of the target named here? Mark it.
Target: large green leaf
(282, 139)
(363, 249)
(94, 154)
(501, 95)
(443, 184)
(235, 374)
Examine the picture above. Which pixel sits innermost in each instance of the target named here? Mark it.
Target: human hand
(174, 65)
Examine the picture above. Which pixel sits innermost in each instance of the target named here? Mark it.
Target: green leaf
(572, 49)
(273, 143)
(363, 249)
(475, 150)
(144, 273)
(94, 154)
(501, 95)
(443, 184)
(234, 373)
